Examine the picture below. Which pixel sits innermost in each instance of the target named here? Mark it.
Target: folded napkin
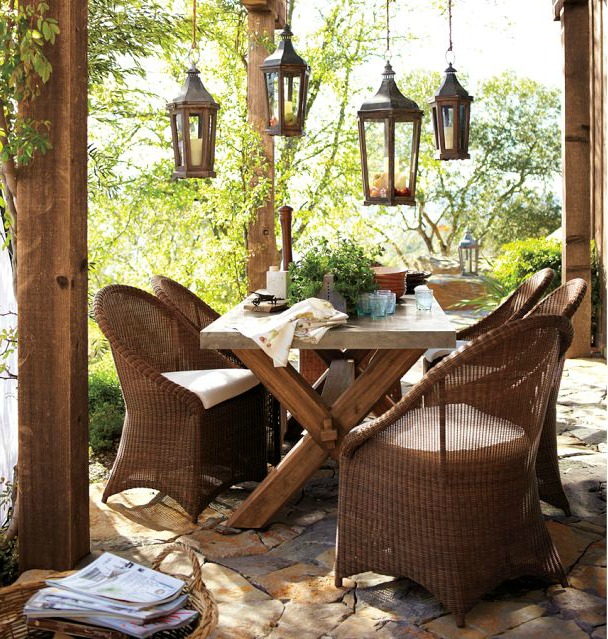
(308, 320)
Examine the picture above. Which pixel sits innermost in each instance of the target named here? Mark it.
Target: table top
(407, 328)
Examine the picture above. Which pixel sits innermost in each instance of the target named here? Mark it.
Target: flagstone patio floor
(278, 582)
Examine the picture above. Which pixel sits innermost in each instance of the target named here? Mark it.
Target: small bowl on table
(415, 278)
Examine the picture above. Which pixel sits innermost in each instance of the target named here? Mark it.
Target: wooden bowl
(390, 278)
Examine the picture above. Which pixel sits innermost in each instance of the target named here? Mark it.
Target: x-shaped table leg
(314, 414)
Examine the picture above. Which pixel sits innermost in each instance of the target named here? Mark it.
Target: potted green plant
(345, 260)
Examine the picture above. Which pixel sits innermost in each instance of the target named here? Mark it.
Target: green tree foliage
(25, 28)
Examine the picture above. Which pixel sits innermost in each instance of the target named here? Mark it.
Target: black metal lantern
(286, 76)
(451, 117)
(389, 141)
(193, 120)
(468, 254)
(451, 109)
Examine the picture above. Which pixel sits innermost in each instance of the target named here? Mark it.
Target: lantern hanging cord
(193, 46)
(449, 54)
(388, 34)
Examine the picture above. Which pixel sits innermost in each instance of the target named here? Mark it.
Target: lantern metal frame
(451, 98)
(390, 107)
(283, 67)
(468, 254)
(193, 102)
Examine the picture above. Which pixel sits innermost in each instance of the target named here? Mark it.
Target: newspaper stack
(113, 593)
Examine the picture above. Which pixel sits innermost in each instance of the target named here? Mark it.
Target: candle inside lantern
(448, 134)
(289, 112)
(196, 151)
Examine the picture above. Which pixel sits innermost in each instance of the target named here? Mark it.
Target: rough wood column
(261, 239)
(576, 215)
(599, 140)
(52, 299)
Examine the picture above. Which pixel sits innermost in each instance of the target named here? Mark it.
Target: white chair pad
(215, 385)
(466, 428)
(434, 354)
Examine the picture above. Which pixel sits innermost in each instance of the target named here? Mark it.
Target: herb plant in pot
(345, 260)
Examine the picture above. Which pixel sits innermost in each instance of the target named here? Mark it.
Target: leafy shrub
(521, 259)
(345, 259)
(9, 561)
(106, 409)
(9, 556)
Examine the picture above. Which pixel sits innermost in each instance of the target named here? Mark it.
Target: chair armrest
(164, 385)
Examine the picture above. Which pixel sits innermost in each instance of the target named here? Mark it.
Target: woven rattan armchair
(521, 300)
(565, 301)
(170, 442)
(193, 314)
(441, 488)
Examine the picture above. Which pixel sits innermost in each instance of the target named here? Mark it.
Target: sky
(489, 36)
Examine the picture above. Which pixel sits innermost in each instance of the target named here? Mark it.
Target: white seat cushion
(215, 385)
(466, 428)
(434, 354)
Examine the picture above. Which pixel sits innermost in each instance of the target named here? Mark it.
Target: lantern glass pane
(447, 115)
(377, 158)
(404, 134)
(180, 138)
(291, 97)
(195, 126)
(462, 127)
(272, 88)
(435, 127)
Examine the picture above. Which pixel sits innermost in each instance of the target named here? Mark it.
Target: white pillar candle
(196, 151)
(448, 135)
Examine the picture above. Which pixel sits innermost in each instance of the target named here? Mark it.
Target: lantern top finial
(193, 91)
(450, 85)
(388, 96)
(284, 54)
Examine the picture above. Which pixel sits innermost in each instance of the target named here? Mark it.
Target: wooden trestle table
(365, 357)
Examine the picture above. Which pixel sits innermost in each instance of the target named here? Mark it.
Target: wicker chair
(170, 442)
(193, 314)
(441, 488)
(521, 300)
(565, 301)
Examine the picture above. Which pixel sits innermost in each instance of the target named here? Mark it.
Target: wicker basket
(13, 598)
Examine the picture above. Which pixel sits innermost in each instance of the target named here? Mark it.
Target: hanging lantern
(193, 116)
(451, 113)
(389, 141)
(468, 254)
(286, 76)
(193, 120)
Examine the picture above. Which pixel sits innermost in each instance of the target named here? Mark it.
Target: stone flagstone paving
(278, 583)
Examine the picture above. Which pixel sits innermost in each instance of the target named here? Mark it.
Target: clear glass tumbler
(377, 305)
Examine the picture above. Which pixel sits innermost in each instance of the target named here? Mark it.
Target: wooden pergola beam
(276, 7)
(576, 153)
(263, 17)
(53, 488)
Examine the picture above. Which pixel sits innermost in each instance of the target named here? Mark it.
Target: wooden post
(599, 141)
(576, 216)
(261, 241)
(52, 302)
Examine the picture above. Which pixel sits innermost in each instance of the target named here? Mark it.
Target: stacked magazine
(113, 593)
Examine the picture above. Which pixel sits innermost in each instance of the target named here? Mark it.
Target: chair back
(135, 322)
(516, 306)
(192, 314)
(183, 302)
(564, 300)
